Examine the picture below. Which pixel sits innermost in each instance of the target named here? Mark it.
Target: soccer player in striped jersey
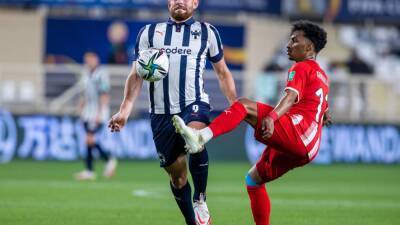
(291, 130)
(188, 43)
(95, 111)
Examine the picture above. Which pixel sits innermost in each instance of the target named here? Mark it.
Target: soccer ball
(152, 64)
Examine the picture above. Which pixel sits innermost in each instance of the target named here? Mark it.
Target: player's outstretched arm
(283, 106)
(133, 86)
(225, 78)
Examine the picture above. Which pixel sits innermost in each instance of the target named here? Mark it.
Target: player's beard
(181, 16)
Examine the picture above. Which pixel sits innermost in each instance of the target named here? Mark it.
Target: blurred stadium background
(354, 180)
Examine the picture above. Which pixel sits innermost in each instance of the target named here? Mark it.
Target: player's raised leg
(242, 109)
(191, 136)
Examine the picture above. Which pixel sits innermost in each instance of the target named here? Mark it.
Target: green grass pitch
(44, 193)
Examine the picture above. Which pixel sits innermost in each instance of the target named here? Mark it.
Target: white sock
(206, 134)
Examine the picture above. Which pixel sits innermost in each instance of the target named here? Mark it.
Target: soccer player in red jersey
(291, 130)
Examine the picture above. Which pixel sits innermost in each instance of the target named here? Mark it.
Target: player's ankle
(206, 135)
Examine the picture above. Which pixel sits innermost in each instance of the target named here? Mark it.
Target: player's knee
(255, 176)
(179, 181)
(244, 101)
(250, 181)
(247, 103)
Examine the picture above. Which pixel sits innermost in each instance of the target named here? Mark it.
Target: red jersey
(312, 87)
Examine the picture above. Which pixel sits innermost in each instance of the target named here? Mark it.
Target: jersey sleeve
(142, 42)
(296, 81)
(215, 52)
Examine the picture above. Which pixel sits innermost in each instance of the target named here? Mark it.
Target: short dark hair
(316, 34)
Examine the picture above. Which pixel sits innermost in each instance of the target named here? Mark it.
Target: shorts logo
(291, 75)
(162, 158)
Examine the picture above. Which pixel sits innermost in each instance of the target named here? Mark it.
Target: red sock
(260, 204)
(228, 120)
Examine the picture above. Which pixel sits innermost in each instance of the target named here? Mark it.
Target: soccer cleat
(85, 175)
(109, 170)
(191, 137)
(201, 213)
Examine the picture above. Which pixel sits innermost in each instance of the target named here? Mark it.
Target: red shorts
(285, 149)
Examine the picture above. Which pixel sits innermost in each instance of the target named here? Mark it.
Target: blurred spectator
(358, 91)
(304, 8)
(356, 65)
(371, 41)
(118, 35)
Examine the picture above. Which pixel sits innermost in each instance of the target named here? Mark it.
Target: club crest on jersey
(195, 33)
(291, 75)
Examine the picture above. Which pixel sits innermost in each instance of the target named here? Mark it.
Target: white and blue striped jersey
(187, 45)
(94, 84)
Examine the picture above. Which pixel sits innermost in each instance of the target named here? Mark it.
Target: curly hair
(313, 32)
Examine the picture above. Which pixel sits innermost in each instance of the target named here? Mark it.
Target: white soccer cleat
(190, 135)
(111, 166)
(85, 175)
(201, 213)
